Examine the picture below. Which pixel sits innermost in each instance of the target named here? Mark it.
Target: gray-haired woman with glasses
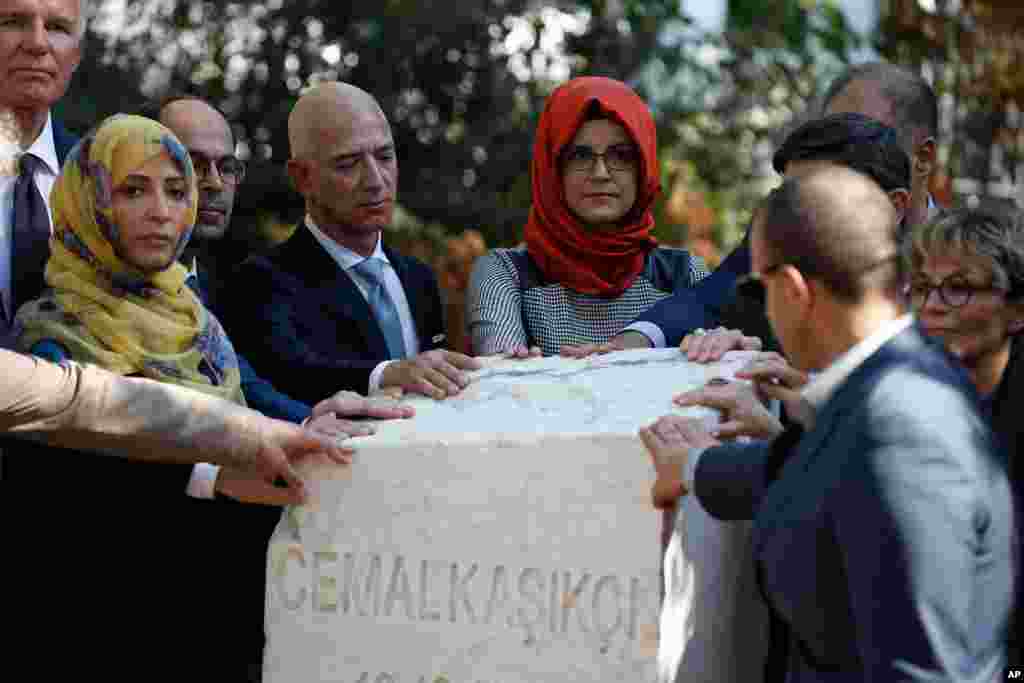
(967, 287)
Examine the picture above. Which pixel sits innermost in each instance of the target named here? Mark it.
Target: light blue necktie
(382, 305)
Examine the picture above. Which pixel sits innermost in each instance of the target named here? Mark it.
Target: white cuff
(649, 330)
(375, 376)
(203, 481)
(690, 469)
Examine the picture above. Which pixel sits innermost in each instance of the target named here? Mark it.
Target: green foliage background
(463, 82)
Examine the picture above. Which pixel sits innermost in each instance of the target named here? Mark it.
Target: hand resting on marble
(669, 442)
(743, 412)
(620, 342)
(437, 374)
(709, 347)
(775, 378)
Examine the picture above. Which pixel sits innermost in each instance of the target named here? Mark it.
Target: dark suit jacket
(63, 141)
(885, 542)
(259, 393)
(701, 305)
(155, 561)
(1005, 406)
(306, 327)
(108, 541)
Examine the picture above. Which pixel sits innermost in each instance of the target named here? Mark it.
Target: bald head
(206, 134)
(835, 225)
(189, 112)
(326, 112)
(343, 163)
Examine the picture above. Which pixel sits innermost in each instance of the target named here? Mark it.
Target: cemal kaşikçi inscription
(533, 601)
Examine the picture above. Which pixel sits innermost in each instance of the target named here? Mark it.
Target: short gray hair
(995, 234)
(914, 105)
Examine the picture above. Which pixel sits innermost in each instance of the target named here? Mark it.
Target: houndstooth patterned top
(504, 312)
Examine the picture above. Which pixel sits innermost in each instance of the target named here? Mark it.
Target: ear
(797, 290)
(301, 174)
(924, 158)
(900, 201)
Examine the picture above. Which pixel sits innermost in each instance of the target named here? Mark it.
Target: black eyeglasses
(230, 169)
(752, 286)
(583, 158)
(954, 291)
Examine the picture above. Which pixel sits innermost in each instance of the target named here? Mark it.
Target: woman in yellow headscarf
(109, 541)
(123, 210)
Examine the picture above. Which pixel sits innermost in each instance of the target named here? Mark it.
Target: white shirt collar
(343, 256)
(820, 389)
(44, 147)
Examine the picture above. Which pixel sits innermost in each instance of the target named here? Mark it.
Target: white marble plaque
(507, 536)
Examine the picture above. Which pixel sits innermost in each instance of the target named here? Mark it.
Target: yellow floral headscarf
(102, 309)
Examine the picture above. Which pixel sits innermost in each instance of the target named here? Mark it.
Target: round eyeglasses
(954, 291)
(583, 158)
(230, 169)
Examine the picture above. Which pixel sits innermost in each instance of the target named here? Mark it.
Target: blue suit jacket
(307, 328)
(63, 141)
(700, 305)
(884, 544)
(259, 393)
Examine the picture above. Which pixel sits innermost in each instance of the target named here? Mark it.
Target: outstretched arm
(87, 408)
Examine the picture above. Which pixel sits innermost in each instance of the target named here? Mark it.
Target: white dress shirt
(347, 261)
(45, 176)
(824, 384)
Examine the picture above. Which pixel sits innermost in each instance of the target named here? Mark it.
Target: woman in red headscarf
(590, 264)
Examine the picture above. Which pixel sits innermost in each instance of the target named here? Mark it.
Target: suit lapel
(63, 141)
(333, 288)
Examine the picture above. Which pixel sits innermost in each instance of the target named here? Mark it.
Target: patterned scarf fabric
(101, 308)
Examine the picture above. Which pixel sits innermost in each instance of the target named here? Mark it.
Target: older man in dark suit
(40, 48)
(333, 307)
(883, 528)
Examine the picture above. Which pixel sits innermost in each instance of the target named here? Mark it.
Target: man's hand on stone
(266, 452)
(743, 414)
(703, 346)
(669, 442)
(620, 342)
(250, 487)
(351, 404)
(775, 378)
(437, 374)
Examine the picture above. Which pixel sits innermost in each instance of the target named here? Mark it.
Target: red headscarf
(603, 263)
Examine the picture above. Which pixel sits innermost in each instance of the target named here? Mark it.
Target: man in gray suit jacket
(883, 528)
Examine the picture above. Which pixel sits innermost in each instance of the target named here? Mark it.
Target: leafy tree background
(463, 83)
